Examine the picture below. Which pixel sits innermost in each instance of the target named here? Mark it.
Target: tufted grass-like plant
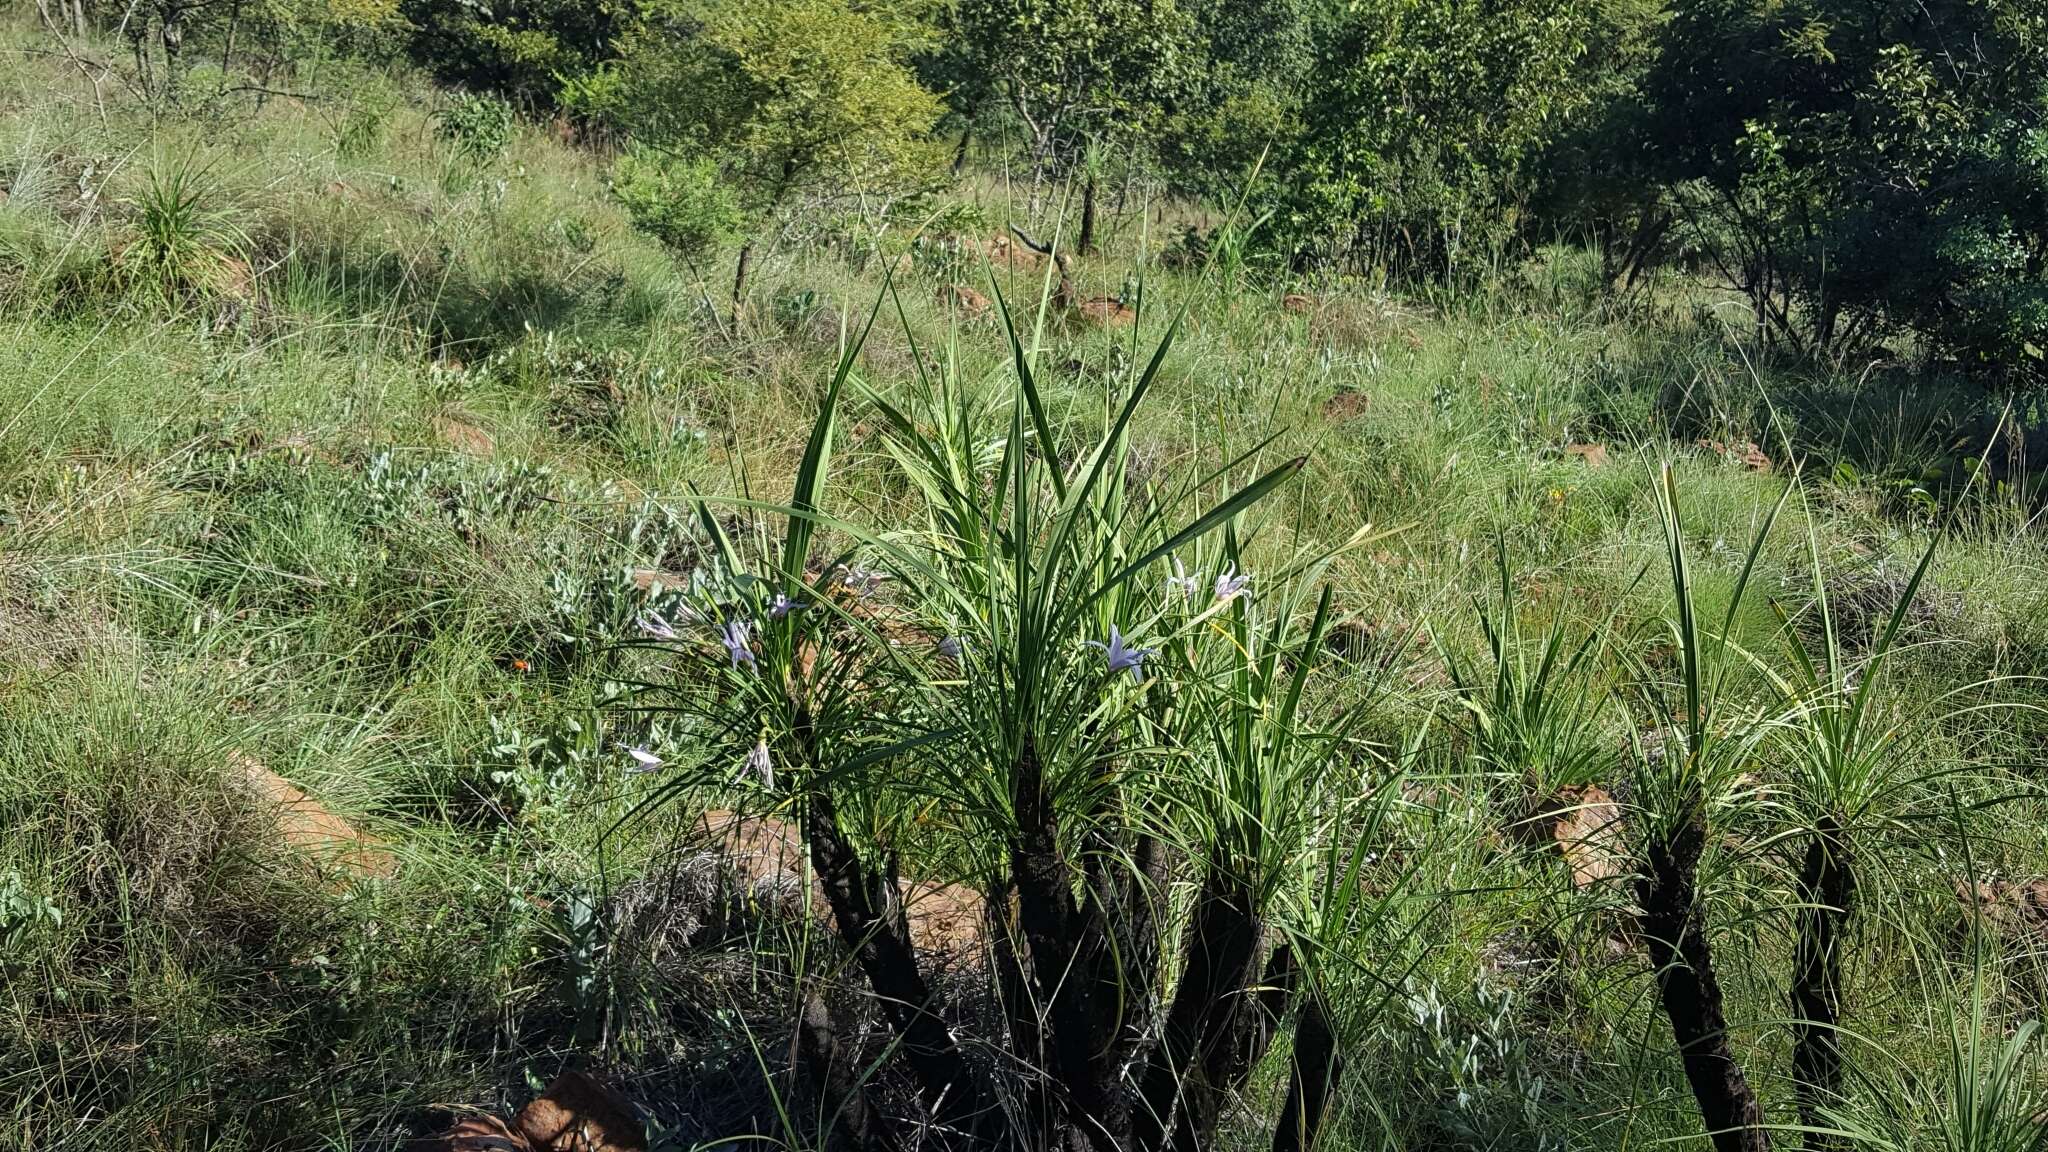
(1042, 700)
(1537, 723)
(185, 238)
(1983, 1093)
(1851, 792)
(1856, 791)
(1687, 756)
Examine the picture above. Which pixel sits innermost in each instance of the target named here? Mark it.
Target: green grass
(251, 517)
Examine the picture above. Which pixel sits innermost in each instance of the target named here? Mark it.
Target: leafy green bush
(1864, 167)
(522, 50)
(679, 201)
(479, 127)
(1420, 127)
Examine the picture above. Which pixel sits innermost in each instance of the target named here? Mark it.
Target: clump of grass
(185, 237)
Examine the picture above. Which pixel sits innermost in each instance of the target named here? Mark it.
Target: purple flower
(643, 760)
(783, 606)
(655, 626)
(1122, 657)
(952, 647)
(759, 765)
(1230, 584)
(733, 634)
(1181, 582)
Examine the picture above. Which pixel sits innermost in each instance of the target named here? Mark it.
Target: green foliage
(478, 126)
(1076, 70)
(1243, 93)
(684, 203)
(790, 98)
(1420, 127)
(184, 236)
(521, 49)
(365, 116)
(1867, 166)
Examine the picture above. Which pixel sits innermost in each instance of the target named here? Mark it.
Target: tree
(1420, 126)
(1860, 166)
(1243, 97)
(520, 49)
(794, 100)
(1075, 71)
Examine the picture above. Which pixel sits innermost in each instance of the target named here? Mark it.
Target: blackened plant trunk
(960, 151)
(1317, 1066)
(868, 912)
(739, 280)
(1219, 958)
(849, 1119)
(1674, 930)
(1269, 1004)
(1827, 892)
(1069, 946)
(1085, 245)
(1242, 1033)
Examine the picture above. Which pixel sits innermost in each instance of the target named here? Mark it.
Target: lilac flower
(1230, 584)
(1181, 582)
(783, 606)
(643, 760)
(759, 765)
(1122, 657)
(733, 634)
(655, 626)
(952, 647)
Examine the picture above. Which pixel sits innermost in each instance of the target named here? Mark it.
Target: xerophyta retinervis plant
(1074, 693)
(1687, 757)
(1854, 790)
(185, 238)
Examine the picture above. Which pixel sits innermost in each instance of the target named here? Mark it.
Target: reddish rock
(579, 1114)
(306, 826)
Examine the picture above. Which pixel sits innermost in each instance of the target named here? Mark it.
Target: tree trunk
(960, 151)
(1240, 1038)
(1086, 244)
(1317, 1066)
(739, 280)
(1674, 930)
(1269, 1011)
(1067, 945)
(1827, 892)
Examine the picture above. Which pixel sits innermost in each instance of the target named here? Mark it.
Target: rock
(1298, 303)
(463, 436)
(579, 1114)
(305, 825)
(1595, 455)
(1586, 826)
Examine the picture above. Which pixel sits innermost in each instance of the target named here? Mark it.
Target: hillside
(371, 727)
